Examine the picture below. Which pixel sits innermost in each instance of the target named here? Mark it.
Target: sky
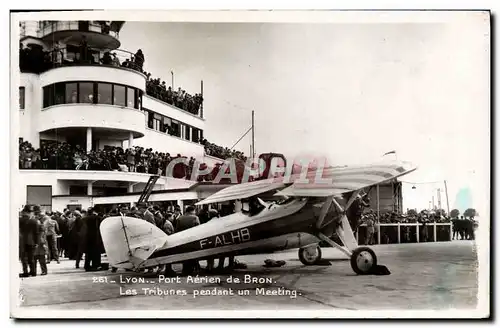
(347, 91)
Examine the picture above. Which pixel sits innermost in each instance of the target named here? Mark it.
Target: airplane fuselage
(276, 228)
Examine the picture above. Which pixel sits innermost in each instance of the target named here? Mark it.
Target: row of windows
(173, 127)
(21, 97)
(91, 93)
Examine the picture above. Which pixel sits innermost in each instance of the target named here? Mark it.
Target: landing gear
(310, 255)
(363, 260)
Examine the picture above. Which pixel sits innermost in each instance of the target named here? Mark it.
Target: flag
(391, 152)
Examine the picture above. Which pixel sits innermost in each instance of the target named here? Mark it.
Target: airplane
(304, 215)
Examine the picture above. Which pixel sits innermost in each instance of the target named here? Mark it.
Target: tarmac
(424, 276)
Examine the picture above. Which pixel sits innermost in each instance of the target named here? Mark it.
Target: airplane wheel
(363, 260)
(310, 255)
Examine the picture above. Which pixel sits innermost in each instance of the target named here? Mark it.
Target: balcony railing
(35, 60)
(48, 27)
(192, 104)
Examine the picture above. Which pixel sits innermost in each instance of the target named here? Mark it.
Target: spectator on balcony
(116, 61)
(84, 50)
(36, 160)
(57, 55)
(125, 63)
(170, 96)
(131, 159)
(139, 60)
(107, 59)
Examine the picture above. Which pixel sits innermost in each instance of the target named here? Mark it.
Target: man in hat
(41, 248)
(116, 61)
(28, 241)
(146, 214)
(158, 217)
(168, 229)
(93, 243)
(184, 222)
(52, 228)
(177, 214)
(76, 233)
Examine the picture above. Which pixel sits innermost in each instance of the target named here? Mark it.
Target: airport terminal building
(77, 87)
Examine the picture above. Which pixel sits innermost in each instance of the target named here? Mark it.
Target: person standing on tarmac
(28, 241)
(168, 229)
(184, 222)
(52, 228)
(146, 214)
(41, 249)
(93, 243)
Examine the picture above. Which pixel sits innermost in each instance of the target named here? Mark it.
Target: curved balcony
(97, 34)
(101, 73)
(106, 120)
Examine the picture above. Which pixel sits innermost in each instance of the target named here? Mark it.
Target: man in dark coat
(93, 245)
(184, 222)
(188, 220)
(62, 222)
(28, 241)
(42, 248)
(76, 234)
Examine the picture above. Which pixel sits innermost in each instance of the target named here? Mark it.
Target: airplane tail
(130, 241)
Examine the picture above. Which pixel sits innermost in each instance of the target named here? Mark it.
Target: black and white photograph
(250, 164)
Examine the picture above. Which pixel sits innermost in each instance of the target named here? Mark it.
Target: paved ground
(424, 276)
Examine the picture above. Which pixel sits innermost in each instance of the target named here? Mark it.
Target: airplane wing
(244, 190)
(338, 181)
(335, 182)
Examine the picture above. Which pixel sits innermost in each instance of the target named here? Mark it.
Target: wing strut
(324, 210)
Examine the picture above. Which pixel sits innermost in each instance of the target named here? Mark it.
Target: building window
(150, 119)
(119, 95)
(176, 129)
(157, 122)
(86, 95)
(131, 98)
(105, 93)
(138, 99)
(59, 90)
(21, 97)
(89, 93)
(187, 132)
(48, 96)
(167, 122)
(71, 93)
(195, 137)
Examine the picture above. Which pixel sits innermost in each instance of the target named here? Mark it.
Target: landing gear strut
(363, 259)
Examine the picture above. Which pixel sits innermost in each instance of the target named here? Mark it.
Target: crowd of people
(75, 234)
(34, 59)
(63, 156)
(462, 228)
(395, 217)
(179, 98)
(222, 152)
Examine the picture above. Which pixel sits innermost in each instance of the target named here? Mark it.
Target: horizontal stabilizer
(130, 240)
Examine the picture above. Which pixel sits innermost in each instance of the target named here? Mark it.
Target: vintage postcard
(250, 164)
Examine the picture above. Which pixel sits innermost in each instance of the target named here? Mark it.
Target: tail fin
(130, 241)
